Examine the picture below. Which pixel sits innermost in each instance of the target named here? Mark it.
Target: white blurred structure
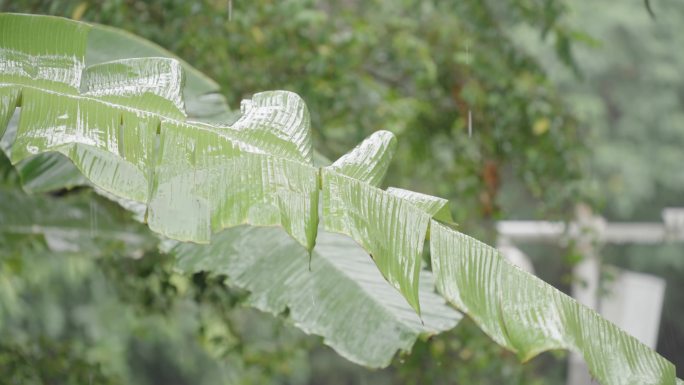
(634, 300)
(514, 255)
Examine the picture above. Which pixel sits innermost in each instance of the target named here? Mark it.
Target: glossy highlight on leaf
(55, 60)
(277, 122)
(202, 100)
(368, 162)
(153, 83)
(111, 146)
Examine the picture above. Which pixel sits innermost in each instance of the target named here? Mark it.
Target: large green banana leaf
(202, 98)
(128, 134)
(380, 313)
(123, 125)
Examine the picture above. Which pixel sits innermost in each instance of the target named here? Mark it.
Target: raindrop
(93, 219)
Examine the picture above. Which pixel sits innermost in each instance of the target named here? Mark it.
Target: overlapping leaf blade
(111, 146)
(211, 183)
(391, 229)
(202, 99)
(342, 298)
(44, 172)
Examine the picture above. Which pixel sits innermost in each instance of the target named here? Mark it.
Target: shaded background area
(570, 103)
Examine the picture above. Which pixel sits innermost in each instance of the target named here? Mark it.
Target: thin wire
(93, 219)
(468, 53)
(470, 114)
(647, 3)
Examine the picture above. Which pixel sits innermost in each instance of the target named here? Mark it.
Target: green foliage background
(416, 68)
